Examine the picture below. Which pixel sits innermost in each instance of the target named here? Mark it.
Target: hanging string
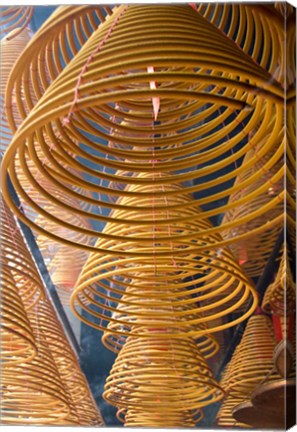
(66, 119)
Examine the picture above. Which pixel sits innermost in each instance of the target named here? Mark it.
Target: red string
(89, 60)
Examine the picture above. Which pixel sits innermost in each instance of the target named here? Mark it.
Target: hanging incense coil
(254, 254)
(68, 366)
(64, 263)
(10, 48)
(183, 92)
(244, 374)
(51, 48)
(133, 418)
(207, 344)
(62, 374)
(155, 376)
(260, 25)
(32, 392)
(15, 18)
(17, 340)
(224, 416)
(160, 291)
(280, 296)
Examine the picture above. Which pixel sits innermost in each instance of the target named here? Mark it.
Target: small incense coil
(15, 18)
(32, 392)
(10, 49)
(179, 88)
(68, 366)
(132, 417)
(280, 296)
(254, 254)
(139, 288)
(252, 361)
(154, 375)
(17, 339)
(224, 416)
(62, 374)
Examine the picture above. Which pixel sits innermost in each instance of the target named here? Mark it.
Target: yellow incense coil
(32, 392)
(10, 49)
(15, 19)
(154, 376)
(280, 296)
(166, 288)
(51, 48)
(254, 254)
(192, 86)
(140, 418)
(64, 263)
(17, 340)
(252, 362)
(67, 365)
(260, 26)
(224, 416)
(56, 367)
(207, 343)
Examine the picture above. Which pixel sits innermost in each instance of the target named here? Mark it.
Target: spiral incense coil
(280, 296)
(33, 392)
(10, 49)
(15, 18)
(254, 254)
(224, 416)
(252, 362)
(155, 376)
(259, 26)
(182, 81)
(67, 365)
(51, 48)
(133, 417)
(64, 263)
(62, 374)
(160, 291)
(17, 339)
(207, 344)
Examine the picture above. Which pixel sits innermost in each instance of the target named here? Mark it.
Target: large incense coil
(177, 82)
(17, 339)
(51, 48)
(133, 417)
(157, 376)
(244, 374)
(160, 291)
(280, 296)
(260, 25)
(224, 416)
(15, 18)
(254, 254)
